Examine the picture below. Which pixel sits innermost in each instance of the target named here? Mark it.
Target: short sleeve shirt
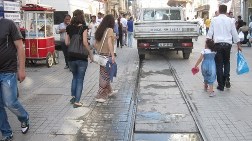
(8, 53)
(206, 51)
(71, 30)
(105, 48)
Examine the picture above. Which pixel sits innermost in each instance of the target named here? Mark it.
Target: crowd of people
(104, 31)
(242, 27)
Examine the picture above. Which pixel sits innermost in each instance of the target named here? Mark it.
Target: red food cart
(39, 39)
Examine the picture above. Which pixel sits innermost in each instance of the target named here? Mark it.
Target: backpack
(76, 48)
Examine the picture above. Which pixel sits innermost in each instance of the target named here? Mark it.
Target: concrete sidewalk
(46, 93)
(228, 115)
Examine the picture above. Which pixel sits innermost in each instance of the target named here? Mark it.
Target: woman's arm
(85, 43)
(199, 61)
(110, 45)
(67, 40)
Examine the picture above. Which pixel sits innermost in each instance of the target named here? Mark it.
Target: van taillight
(187, 44)
(144, 45)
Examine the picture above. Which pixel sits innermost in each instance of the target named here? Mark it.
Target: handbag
(76, 48)
(101, 59)
(242, 66)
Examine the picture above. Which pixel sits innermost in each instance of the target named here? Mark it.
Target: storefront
(203, 11)
(247, 11)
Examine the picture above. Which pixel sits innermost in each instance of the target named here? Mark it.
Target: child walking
(208, 68)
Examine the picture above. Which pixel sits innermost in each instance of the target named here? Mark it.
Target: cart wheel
(33, 62)
(56, 57)
(49, 59)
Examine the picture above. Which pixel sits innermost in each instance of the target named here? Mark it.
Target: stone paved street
(228, 116)
(46, 93)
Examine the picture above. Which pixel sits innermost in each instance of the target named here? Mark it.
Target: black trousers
(222, 61)
(120, 40)
(65, 52)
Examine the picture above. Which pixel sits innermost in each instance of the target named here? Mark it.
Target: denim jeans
(222, 60)
(130, 39)
(65, 52)
(78, 69)
(8, 98)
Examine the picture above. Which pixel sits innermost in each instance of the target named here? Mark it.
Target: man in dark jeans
(222, 30)
(12, 68)
(62, 31)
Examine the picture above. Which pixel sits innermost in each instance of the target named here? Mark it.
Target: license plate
(165, 44)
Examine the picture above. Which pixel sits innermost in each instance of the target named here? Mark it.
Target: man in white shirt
(124, 31)
(61, 29)
(222, 30)
(99, 19)
(231, 15)
(92, 28)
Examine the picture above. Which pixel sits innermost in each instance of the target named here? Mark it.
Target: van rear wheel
(186, 55)
(141, 56)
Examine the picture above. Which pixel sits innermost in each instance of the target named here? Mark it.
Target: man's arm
(235, 36)
(21, 59)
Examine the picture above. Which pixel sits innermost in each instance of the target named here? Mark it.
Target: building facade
(247, 10)
(207, 8)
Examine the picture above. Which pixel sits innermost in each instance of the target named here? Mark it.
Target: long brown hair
(107, 22)
(78, 17)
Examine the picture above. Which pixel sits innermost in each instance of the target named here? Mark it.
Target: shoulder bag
(76, 48)
(100, 59)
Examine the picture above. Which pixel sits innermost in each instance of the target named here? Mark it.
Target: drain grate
(43, 99)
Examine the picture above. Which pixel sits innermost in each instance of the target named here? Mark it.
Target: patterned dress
(208, 67)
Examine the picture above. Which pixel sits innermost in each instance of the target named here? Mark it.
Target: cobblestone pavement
(46, 93)
(228, 115)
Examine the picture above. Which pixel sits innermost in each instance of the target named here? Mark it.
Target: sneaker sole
(113, 93)
(100, 100)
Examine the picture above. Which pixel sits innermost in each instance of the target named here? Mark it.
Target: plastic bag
(242, 66)
(241, 36)
(248, 36)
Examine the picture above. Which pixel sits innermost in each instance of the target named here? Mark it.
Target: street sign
(13, 16)
(11, 6)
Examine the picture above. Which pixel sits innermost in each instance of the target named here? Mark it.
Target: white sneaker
(212, 94)
(101, 100)
(113, 93)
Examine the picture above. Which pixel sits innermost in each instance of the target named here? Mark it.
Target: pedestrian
(208, 67)
(231, 15)
(78, 66)
(104, 37)
(207, 24)
(124, 29)
(116, 33)
(61, 29)
(12, 68)
(99, 18)
(92, 28)
(130, 24)
(245, 30)
(239, 23)
(120, 33)
(222, 30)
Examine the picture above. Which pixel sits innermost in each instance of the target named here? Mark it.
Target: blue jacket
(111, 69)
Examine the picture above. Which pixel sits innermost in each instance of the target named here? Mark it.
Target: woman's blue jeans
(78, 69)
(8, 98)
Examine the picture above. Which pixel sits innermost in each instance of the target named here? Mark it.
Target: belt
(223, 44)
